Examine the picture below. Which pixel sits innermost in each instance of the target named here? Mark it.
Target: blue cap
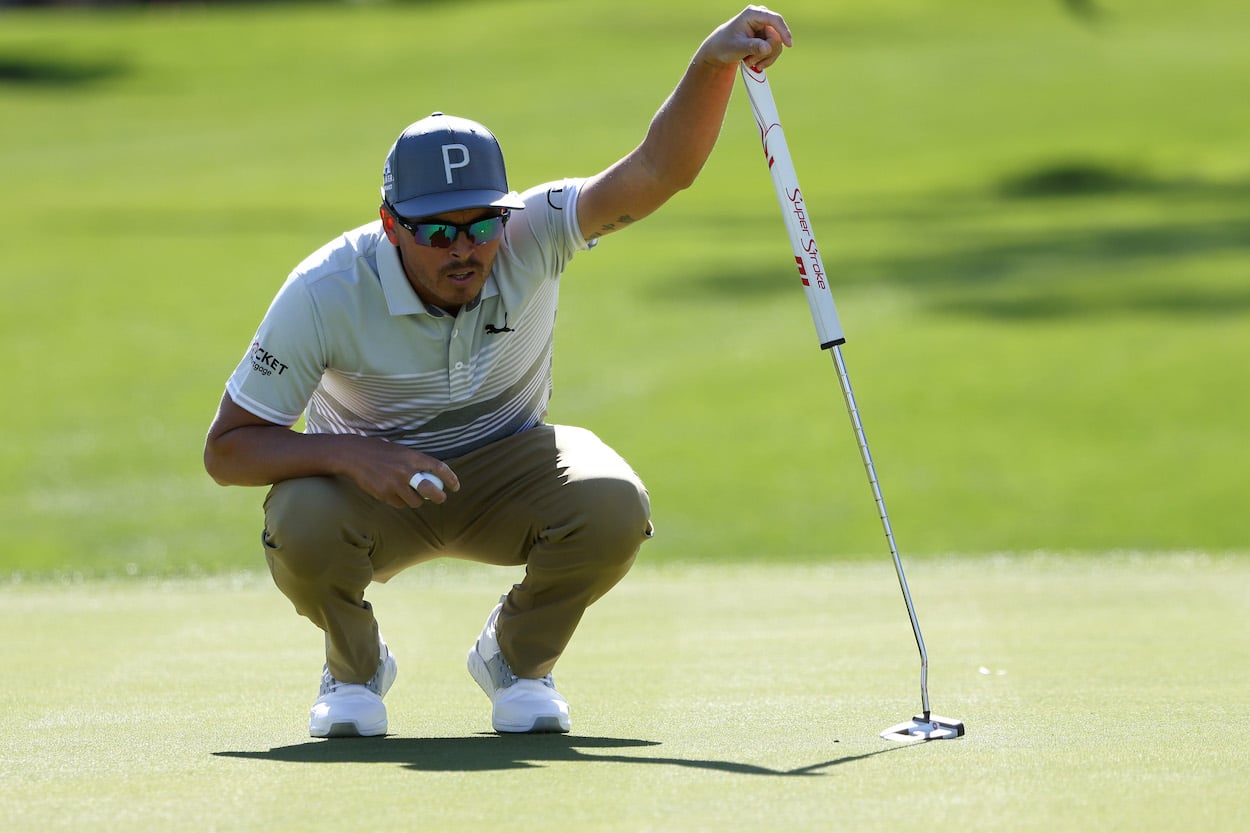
(442, 164)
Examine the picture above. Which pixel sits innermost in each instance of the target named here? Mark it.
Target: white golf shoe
(517, 704)
(350, 710)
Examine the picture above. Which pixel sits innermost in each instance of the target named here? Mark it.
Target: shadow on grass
(50, 72)
(1066, 239)
(487, 753)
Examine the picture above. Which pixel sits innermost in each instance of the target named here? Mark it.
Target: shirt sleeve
(544, 236)
(284, 363)
(561, 197)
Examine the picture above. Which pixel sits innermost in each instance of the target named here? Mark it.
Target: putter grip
(793, 208)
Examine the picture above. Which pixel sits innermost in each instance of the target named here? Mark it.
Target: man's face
(447, 278)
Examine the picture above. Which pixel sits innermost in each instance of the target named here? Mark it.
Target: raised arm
(684, 131)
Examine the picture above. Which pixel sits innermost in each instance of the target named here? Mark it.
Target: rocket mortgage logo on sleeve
(264, 362)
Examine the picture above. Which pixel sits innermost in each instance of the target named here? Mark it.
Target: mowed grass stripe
(1098, 694)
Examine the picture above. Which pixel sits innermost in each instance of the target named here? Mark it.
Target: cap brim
(449, 201)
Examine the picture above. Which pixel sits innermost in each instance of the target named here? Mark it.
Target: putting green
(1098, 694)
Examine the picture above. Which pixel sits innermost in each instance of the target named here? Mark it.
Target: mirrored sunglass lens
(484, 231)
(442, 235)
(438, 235)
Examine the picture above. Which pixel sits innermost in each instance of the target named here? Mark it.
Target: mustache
(462, 266)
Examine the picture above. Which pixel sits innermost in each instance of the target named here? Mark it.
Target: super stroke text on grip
(809, 246)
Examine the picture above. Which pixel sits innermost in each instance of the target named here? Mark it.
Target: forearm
(240, 451)
(679, 141)
(683, 132)
(685, 129)
(261, 455)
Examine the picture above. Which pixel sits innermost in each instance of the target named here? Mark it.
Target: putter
(926, 725)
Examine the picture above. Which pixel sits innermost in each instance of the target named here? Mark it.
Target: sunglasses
(442, 235)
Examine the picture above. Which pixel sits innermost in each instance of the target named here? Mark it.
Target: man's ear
(388, 224)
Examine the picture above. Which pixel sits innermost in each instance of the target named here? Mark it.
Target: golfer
(418, 349)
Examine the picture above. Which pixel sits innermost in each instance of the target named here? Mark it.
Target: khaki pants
(554, 498)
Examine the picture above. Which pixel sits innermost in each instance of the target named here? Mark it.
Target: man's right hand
(243, 449)
(384, 471)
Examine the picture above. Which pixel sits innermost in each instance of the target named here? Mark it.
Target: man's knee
(611, 517)
(603, 488)
(312, 531)
(622, 513)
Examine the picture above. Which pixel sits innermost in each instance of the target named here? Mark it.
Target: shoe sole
(540, 726)
(349, 730)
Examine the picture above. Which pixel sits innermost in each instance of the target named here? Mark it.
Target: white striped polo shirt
(348, 343)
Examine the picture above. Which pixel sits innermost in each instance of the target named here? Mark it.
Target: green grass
(1039, 234)
(1037, 227)
(1098, 694)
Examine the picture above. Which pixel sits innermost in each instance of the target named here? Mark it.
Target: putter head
(922, 728)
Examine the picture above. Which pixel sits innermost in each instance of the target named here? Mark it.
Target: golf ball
(425, 477)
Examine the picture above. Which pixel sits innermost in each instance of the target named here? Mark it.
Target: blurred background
(1036, 217)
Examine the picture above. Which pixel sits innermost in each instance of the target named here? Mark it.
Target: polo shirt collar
(401, 299)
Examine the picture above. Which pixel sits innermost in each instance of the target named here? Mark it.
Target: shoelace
(508, 677)
(330, 684)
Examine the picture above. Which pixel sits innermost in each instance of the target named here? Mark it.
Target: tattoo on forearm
(620, 223)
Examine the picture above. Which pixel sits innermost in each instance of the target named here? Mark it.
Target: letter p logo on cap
(448, 165)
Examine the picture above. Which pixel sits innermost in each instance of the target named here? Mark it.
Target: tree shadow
(1077, 251)
(490, 753)
(51, 72)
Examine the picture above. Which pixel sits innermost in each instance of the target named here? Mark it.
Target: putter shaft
(844, 381)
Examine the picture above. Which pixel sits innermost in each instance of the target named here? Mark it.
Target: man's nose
(462, 246)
